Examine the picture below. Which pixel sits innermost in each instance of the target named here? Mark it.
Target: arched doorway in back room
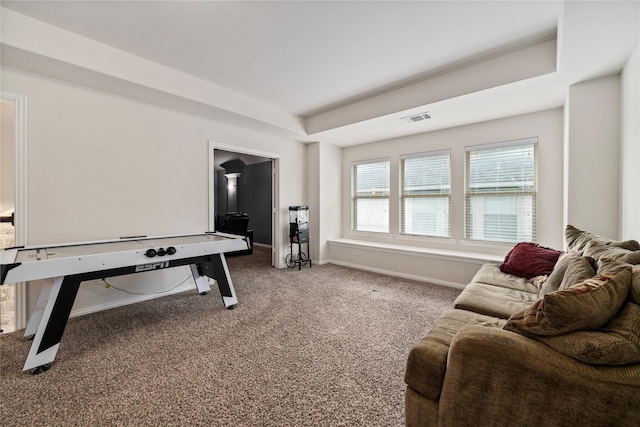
(244, 186)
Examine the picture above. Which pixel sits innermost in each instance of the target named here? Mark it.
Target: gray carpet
(324, 346)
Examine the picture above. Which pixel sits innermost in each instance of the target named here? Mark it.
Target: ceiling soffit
(523, 64)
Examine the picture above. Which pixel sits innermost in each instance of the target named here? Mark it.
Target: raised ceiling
(337, 72)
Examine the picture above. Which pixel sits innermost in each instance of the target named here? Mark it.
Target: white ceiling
(321, 61)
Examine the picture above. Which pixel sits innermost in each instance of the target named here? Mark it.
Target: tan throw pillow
(610, 266)
(555, 278)
(578, 239)
(585, 306)
(634, 292)
(617, 343)
(631, 245)
(578, 270)
(597, 251)
(559, 279)
(631, 258)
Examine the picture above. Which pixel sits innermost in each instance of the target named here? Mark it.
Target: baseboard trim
(399, 274)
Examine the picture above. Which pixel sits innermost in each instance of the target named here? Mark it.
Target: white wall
(323, 186)
(630, 149)
(102, 166)
(592, 164)
(330, 196)
(313, 199)
(546, 125)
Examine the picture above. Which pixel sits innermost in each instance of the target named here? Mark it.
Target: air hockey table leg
(222, 276)
(224, 281)
(52, 323)
(202, 282)
(216, 268)
(36, 316)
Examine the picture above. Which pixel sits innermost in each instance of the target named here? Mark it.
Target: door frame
(275, 191)
(20, 208)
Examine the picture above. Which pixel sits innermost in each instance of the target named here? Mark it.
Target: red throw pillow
(529, 260)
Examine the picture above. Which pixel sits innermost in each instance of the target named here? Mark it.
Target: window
(370, 196)
(501, 184)
(425, 194)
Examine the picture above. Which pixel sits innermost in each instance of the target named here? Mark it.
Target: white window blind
(425, 194)
(370, 196)
(500, 191)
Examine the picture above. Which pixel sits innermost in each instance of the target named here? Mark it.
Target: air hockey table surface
(32, 263)
(70, 265)
(93, 248)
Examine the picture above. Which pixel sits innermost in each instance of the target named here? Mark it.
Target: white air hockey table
(70, 265)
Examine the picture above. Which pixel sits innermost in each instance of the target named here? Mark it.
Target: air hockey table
(70, 265)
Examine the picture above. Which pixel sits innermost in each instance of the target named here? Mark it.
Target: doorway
(12, 201)
(7, 206)
(245, 181)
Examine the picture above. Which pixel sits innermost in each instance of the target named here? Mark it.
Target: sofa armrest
(507, 379)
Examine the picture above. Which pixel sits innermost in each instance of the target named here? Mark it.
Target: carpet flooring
(323, 346)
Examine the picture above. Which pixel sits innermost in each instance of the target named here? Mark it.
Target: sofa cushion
(491, 275)
(577, 240)
(585, 306)
(528, 260)
(494, 301)
(427, 360)
(616, 343)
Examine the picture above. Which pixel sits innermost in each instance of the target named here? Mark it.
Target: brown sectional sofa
(471, 371)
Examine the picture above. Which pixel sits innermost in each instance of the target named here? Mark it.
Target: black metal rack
(298, 235)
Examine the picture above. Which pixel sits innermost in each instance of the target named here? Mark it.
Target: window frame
(383, 195)
(403, 197)
(532, 192)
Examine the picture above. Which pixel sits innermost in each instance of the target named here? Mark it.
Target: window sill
(408, 250)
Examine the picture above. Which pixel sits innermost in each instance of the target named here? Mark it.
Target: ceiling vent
(417, 117)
